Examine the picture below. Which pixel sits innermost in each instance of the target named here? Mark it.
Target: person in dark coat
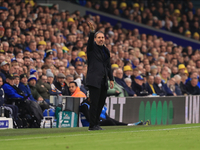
(61, 85)
(119, 79)
(2, 101)
(161, 88)
(23, 85)
(192, 87)
(138, 87)
(99, 69)
(10, 91)
(149, 86)
(183, 84)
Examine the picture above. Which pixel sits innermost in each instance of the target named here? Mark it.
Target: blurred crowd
(177, 16)
(43, 50)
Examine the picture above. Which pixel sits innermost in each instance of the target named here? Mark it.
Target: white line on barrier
(98, 133)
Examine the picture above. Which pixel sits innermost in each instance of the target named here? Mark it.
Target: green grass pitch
(169, 137)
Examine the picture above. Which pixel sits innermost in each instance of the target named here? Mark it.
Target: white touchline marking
(18, 139)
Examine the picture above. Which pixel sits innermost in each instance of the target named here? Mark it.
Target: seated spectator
(117, 90)
(119, 79)
(183, 84)
(192, 87)
(50, 78)
(4, 70)
(61, 85)
(137, 86)
(128, 82)
(173, 87)
(23, 85)
(43, 88)
(32, 84)
(149, 85)
(75, 90)
(127, 71)
(10, 91)
(79, 72)
(2, 102)
(161, 88)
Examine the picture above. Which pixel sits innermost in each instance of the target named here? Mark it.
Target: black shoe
(99, 127)
(93, 128)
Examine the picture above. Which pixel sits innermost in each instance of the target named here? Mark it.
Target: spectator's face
(50, 80)
(128, 83)
(62, 70)
(27, 62)
(24, 80)
(119, 74)
(16, 81)
(194, 82)
(10, 81)
(100, 39)
(69, 79)
(32, 82)
(72, 70)
(1, 82)
(79, 69)
(164, 74)
(157, 80)
(151, 80)
(140, 82)
(61, 80)
(44, 79)
(33, 46)
(5, 67)
(72, 87)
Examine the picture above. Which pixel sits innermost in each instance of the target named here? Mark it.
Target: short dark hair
(74, 83)
(95, 35)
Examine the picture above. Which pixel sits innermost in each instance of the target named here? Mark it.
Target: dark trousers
(97, 98)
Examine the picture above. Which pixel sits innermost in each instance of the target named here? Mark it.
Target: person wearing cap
(9, 89)
(82, 55)
(161, 88)
(127, 71)
(188, 34)
(196, 36)
(5, 66)
(61, 85)
(34, 72)
(181, 68)
(137, 85)
(23, 85)
(75, 90)
(49, 54)
(99, 68)
(32, 84)
(2, 102)
(192, 87)
(79, 61)
(50, 79)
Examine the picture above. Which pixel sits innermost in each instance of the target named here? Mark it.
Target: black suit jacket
(98, 65)
(148, 88)
(64, 90)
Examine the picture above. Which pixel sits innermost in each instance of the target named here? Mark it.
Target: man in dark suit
(161, 88)
(99, 69)
(149, 86)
